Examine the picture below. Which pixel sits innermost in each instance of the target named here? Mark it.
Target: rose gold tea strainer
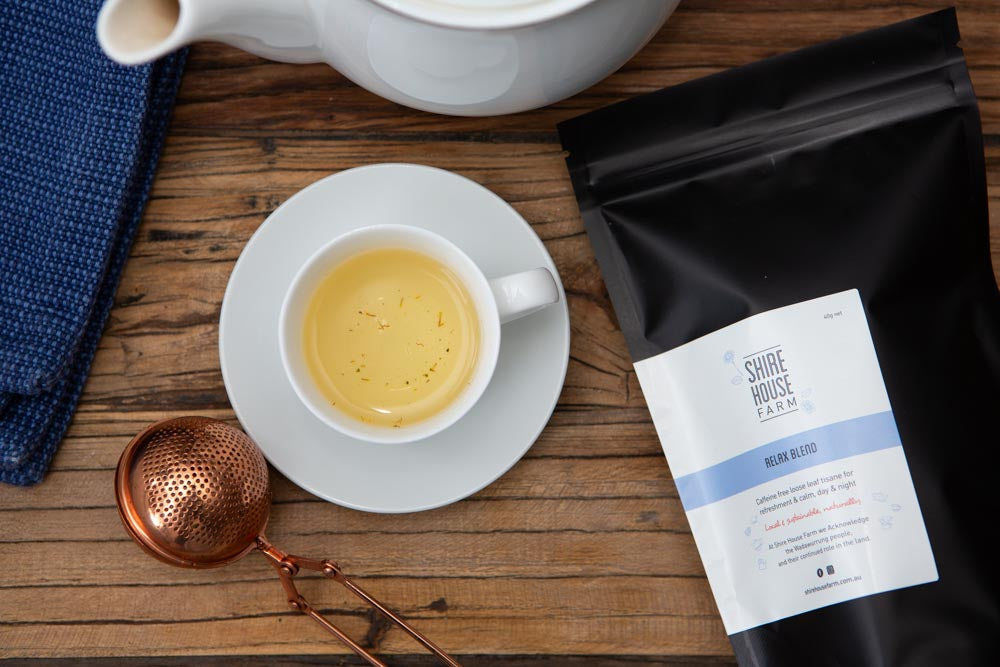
(194, 492)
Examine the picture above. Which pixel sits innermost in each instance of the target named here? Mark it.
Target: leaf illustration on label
(730, 358)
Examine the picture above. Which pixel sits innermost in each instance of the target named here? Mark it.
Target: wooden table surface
(580, 552)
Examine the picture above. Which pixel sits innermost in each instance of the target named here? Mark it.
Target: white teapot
(460, 57)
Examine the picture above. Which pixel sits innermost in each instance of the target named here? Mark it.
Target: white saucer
(459, 461)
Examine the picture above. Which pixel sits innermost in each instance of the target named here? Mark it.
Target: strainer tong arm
(288, 566)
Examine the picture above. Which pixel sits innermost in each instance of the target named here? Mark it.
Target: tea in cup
(390, 333)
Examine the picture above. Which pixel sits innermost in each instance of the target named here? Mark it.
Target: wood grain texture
(580, 553)
(397, 661)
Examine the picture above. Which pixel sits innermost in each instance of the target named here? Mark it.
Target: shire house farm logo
(766, 375)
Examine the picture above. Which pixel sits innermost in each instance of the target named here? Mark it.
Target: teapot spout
(132, 32)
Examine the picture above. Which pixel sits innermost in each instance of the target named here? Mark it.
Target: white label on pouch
(781, 439)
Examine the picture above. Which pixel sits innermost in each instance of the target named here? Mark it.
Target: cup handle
(521, 294)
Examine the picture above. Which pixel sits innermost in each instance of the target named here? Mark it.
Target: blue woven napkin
(79, 141)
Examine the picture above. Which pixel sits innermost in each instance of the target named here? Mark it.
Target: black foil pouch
(798, 254)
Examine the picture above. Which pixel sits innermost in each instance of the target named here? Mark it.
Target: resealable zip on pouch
(797, 252)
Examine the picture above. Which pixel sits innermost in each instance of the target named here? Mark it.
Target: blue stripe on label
(775, 459)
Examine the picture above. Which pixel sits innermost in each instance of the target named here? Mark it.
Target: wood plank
(439, 554)
(280, 635)
(95, 443)
(416, 599)
(398, 660)
(587, 515)
(538, 478)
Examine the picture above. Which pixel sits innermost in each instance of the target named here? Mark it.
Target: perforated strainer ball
(193, 491)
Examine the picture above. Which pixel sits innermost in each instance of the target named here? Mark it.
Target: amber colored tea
(391, 337)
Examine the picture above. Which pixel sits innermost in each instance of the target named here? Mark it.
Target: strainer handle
(288, 566)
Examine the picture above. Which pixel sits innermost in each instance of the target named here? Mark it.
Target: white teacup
(497, 301)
